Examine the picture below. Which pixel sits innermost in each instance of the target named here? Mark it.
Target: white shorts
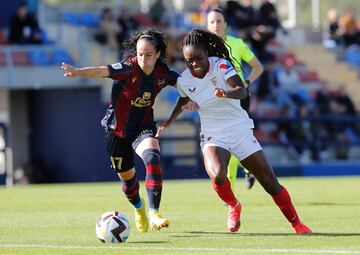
(242, 145)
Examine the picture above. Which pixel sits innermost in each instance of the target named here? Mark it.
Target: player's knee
(219, 178)
(151, 156)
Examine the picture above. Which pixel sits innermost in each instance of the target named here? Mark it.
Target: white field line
(303, 251)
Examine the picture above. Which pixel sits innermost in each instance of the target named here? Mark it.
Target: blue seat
(89, 19)
(44, 37)
(39, 57)
(71, 18)
(61, 55)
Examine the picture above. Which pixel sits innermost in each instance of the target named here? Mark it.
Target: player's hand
(70, 70)
(190, 106)
(161, 127)
(219, 92)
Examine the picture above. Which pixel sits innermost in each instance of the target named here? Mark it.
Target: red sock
(283, 201)
(225, 193)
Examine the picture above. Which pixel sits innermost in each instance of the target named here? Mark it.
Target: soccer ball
(112, 227)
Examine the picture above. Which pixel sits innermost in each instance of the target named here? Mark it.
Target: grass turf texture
(60, 219)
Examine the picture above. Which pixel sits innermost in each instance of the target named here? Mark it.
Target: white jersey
(218, 116)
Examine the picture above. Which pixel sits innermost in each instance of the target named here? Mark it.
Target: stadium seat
(71, 18)
(2, 37)
(2, 59)
(39, 57)
(20, 58)
(44, 37)
(143, 20)
(61, 55)
(352, 57)
(89, 19)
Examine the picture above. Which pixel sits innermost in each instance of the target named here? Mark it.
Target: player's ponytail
(213, 44)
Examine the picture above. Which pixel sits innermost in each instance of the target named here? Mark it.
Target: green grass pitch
(60, 219)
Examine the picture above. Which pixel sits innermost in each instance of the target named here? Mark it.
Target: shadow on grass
(331, 204)
(202, 233)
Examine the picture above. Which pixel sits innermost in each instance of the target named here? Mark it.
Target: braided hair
(209, 42)
(157, 38)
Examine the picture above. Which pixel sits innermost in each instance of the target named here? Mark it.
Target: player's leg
(123, 163)
(264, 173)
(216, 160)
(147, 147)
(249, 177)
(232, 170)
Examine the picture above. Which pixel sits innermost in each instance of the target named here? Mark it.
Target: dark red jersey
(133, 95)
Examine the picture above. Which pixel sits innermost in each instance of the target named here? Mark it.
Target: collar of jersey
(194, 75)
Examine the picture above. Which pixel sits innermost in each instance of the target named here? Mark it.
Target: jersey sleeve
(180, 90)
(225, 69)
(246, 54)
(120, 71)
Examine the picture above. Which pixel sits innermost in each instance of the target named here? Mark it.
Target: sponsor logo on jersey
(225, 66)
(143, 101)
(192, 90)
(116, 66)
(229, 70)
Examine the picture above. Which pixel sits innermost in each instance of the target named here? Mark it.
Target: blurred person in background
(333, 25)
(24, 27)
(157, 12)
(211, 85)
(129, 122)
(109, 30)
(240, 52)
(348, 28)
(127, 23)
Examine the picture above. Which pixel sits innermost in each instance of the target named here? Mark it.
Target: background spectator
(348, 28)
(157, 12)
(109, 30)
(24, 27)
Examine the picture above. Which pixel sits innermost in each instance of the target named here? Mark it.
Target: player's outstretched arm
(175, 113)
(86, 72)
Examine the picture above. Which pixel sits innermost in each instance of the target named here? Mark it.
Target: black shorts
(121, 150)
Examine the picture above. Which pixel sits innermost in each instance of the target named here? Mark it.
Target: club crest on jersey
(143, 101)
(133, 79)
(192, 90)
(116, 66)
